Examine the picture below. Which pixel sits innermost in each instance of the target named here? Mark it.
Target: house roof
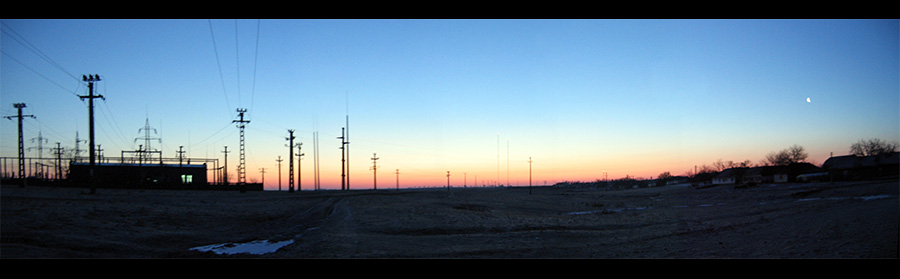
(853, 161)
(841, 162)
(732, 172)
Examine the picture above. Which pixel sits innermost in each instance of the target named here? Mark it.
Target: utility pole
(448, 181)
(374, 171)
(225, 167)
(299, 169)
(316, 160)
(100, 154)
(465, 179)
(90, 79)
(180, 154)
(58, 151)
(344, 185)
(279, 172)
(242, 176)
(19, 107)
(529, 175)
(263, 172)
(290, 147)
(398, 178)
(507, 162)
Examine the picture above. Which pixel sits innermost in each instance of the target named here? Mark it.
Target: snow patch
(257, 247)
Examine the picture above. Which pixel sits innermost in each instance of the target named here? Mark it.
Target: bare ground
(815, 220)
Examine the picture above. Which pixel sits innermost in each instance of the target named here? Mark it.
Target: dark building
(162, 176)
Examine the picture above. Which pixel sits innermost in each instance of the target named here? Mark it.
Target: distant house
(852, 167)
(730, 176)
(766, 174)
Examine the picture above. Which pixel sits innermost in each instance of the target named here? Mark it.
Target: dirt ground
(810, 220)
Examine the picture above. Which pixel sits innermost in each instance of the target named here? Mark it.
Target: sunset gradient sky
(580, 97)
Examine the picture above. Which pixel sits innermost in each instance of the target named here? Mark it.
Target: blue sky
(581, 97)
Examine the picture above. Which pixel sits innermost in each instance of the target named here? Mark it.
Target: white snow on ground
(258, 247)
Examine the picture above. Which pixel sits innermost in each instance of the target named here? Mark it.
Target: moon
(808, 100)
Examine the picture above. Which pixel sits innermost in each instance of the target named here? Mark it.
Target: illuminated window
(187, 178)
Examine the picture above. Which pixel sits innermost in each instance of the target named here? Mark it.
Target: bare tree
(872, 147)
(793, 154)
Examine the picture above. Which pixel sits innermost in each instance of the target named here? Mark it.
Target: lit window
(187, 178)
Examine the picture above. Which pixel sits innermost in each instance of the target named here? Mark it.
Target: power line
(218, 63)
(34, 49)
(39, 74)
(255, 59)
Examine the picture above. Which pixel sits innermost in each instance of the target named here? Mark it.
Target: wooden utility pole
(19, 107)
(448, 180)
(90, 79)
(398, 178)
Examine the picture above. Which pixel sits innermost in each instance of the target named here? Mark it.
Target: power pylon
(146, 129)
(90, 79)
(19, 107)
(374, 171)
(242, 175)
(40, 148)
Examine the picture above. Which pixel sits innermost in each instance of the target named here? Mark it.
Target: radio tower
(242, 175)
(20, 106)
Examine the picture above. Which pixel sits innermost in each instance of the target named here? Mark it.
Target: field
(810, 220)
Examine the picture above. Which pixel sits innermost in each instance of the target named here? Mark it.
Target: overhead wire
(237, 58)
(39, 74)
(37, 51)
(255, 62)
(219, 64)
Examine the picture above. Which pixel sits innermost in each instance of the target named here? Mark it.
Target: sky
(582, 99)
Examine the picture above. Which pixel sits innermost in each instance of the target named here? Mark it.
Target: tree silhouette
(793, 154)
(872, 147)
